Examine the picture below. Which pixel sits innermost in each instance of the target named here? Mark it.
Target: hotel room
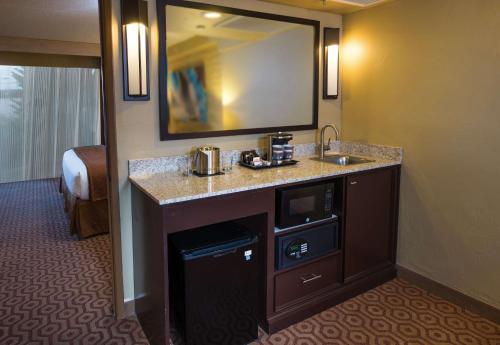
(50, 107)
(54, 225)
(249, 172)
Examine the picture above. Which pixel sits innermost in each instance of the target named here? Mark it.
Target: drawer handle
(354, 182)
(218, 255)
(312, 278)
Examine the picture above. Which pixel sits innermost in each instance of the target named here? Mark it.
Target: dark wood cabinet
(366, 205)
(306, 280)
(370, 222)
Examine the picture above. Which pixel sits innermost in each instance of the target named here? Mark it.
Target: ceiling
(186, 23)
(331, 6)
(64, 20)
(77, 20)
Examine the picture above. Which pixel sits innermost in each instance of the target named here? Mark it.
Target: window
(45, 111)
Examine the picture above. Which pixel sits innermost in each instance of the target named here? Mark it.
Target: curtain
(45, 111)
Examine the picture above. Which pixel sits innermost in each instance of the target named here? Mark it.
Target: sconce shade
(331, 38)
(134, 11)
(135, 50)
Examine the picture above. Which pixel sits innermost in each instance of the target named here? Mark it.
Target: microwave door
(302, 205)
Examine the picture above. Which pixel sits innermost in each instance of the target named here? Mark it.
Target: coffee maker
(279, 148)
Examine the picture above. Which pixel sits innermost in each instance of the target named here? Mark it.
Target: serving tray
(273, 165)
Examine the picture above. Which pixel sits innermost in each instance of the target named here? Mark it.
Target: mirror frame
(162, 70)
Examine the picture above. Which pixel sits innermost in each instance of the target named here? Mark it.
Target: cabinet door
(370, 222)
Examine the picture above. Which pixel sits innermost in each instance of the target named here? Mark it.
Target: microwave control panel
(297, 249)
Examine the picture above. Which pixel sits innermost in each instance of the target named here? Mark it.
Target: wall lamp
(135, 50)
(331, 39)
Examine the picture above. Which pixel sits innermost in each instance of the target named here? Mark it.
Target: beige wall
(257, 92)
(425, 74)
(67, 20)
(43, 46)
(137, 122)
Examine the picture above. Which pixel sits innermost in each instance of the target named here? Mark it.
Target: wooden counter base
(152, 225)
(328, 299)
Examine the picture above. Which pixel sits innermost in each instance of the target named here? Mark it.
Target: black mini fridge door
(216, 294)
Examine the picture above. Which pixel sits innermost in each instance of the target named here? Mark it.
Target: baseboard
(485, 310)
(129, 308)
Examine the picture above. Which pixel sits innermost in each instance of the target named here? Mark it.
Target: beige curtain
(43, 112)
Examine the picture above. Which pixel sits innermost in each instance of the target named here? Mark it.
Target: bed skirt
(87, 218)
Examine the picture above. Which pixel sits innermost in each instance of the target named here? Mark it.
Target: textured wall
(425, 74)
(138, 122)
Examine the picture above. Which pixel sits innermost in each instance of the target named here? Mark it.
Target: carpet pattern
(394, 313)
(54, 289)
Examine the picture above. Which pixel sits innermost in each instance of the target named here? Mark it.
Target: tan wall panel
(425, 75)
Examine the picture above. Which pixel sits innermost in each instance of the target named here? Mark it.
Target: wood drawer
(305, 280)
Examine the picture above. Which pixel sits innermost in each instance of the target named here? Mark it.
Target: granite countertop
(168, 187)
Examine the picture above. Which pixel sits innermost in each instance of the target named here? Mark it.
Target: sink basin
(343, 159)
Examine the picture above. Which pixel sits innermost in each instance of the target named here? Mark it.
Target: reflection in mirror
(233, 72)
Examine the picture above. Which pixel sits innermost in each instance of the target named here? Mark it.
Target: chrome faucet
(322, 146)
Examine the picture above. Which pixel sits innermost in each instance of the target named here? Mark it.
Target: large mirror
(226, 71)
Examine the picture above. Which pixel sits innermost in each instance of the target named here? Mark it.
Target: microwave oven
(304, 204)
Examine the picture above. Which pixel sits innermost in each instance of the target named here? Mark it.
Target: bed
(83, 185)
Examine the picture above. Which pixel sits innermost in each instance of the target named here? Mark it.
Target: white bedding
(75, 175)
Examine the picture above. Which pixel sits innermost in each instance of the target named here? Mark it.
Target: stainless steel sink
(343, 159)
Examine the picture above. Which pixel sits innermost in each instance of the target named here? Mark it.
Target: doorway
(55, 286)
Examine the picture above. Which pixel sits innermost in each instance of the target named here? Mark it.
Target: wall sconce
(135, 50)
(331, 39)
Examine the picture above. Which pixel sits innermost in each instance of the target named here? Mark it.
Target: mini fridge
(214, 274)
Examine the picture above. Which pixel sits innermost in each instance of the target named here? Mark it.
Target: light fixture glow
(352, 52)
(331, 39)
(227, 98)
(332, 54)
(135, 35)
(212, 15)
(135, 50)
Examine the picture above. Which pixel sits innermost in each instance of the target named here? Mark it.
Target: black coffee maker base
(274, 164)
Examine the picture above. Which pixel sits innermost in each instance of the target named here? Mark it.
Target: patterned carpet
(395, 313)
(54, 289)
